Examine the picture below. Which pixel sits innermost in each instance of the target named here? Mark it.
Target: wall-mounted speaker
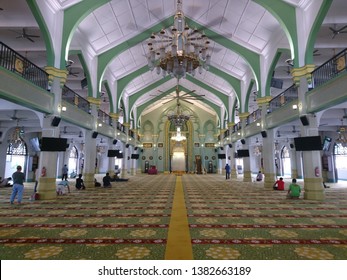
(304, 120)
(95, 134)
(141, 150)
(222, 148)
(135, 148)
(264, 134)
(215, 150)
(243, 141)
(55, 121)
(127, 145)
(115, 141)
(291, 145)
(230, 145)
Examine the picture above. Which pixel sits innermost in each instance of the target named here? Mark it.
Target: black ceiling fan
(186, 97)
(338, 31)
(25, 35)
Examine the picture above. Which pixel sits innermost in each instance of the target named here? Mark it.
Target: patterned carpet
(226, 220)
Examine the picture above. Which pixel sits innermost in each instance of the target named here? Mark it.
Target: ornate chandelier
(178, 119)
(16, 137)
(178, 136)
(181, 51)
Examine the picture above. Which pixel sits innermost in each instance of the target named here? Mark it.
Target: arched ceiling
(239, 29)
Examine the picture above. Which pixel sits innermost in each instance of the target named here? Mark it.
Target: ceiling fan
(14, 117)
(71, 72)
(25, 35)
(338, 31)
(186, 97)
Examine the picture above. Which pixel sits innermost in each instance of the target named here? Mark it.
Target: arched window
(73, 162)
(16, 154)
(19, 150)
(340, 154)
(286, 164)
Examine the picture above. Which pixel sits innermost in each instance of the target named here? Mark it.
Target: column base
(233, 174)
(47, 188)
(88, 179)
(247, 176)
(314, 189)
(269, 180)
(124, 173)
(294, 173)
(133, 171)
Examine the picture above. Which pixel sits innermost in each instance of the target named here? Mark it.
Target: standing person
(294, 190)
(227, 171)
(107, 181)
(259, 177)
(279, 185)
(18, 186)
(36, 179)
(64, 171)
(80, 183)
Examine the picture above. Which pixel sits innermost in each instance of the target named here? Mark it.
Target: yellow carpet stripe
(179, 245)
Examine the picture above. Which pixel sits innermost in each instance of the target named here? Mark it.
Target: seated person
(96, 183)
(5, 182)
(259, 177)
(279, 185)
(62, 186)
(107, 181)
(80, 183)
(117, 179)
(294, 190)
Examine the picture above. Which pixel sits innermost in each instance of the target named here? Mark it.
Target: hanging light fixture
(180, 51)
(178, 136)
(178, 118)
(16, 139)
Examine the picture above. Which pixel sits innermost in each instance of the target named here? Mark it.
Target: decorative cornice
(231, 124)
(55, 73)
(114, 116)
(264, 100)
(94, 101)
(304, 71)
(243, 116)
(127, 125)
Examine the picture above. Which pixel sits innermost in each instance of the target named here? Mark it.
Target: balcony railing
(104, 117)
(329, 69)
(283, 98)
(256, 115)
(73, 98)
(18, 64)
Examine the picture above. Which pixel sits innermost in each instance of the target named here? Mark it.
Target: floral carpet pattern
(228, 219)
(128, 221)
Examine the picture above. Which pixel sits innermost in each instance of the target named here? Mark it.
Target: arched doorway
(286, 165)
(15, 155)
(340, 154)
(73, 161)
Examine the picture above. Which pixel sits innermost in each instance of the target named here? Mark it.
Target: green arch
(109, 93)
(248, 94)
(314, 31)
(44, 30)
(286, 16)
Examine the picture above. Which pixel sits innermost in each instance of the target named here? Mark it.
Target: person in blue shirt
(227, 171)
(18, 178)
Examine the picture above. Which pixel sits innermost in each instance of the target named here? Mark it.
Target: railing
(283, 98)
(73, 98)
(329, 69)
(120, 127)
(18, 64)
(256, 115)
(104, 117)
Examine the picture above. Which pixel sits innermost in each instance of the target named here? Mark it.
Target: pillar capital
(55, 73)
(126, 124)
(264, 100)
(304, 71)
(231, 124)
(243, 116)
(94, 101)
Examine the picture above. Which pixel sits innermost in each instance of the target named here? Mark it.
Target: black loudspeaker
(230, 145)
(222, 148)
(291, 146)
(141, 150)
(135, 148)
(264, 134)
(95, 134)
(304, 120)
(115, 141)
(215, 150)
(127, 145)
(243, 141)
(55, 121)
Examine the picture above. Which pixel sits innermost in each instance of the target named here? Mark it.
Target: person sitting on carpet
(107, 181)
(5, 182)
(259, 177)
(117, 179)
(279, 185)
(294, 190)
(80, 183)
(62, 186)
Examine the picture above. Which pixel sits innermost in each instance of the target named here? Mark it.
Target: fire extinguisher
(316, 172)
